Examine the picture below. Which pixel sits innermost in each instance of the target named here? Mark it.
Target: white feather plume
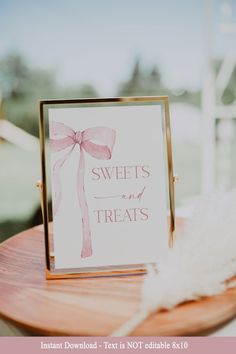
(203, 258)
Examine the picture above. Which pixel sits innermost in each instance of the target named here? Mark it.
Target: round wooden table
(89, 307)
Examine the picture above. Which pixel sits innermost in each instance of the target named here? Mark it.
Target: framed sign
(107, 165)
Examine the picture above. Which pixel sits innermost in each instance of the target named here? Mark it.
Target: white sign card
(109, 184)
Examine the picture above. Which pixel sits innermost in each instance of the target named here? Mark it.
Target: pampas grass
(203, 258)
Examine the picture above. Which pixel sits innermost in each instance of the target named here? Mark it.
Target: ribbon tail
(86, 237)
(57, 192)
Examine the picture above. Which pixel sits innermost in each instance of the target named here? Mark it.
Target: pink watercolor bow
(84, 140)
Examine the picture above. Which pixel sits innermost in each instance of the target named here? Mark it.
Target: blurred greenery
(22, 86)
(149, 82)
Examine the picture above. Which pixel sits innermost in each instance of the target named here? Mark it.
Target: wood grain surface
(89, 307)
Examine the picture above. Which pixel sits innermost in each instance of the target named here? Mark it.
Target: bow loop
(57, 128)
(103, 135)
(61, 144)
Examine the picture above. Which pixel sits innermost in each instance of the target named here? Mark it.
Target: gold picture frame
(51, 272)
